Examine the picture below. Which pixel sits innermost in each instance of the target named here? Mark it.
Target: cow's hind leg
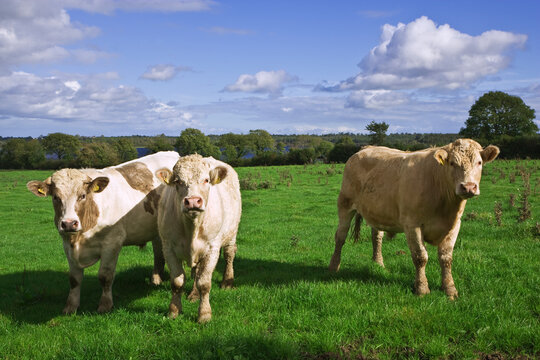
(203, 281)
(106, 272)
(420, 257)
(159, 262)
(376, 239)
(229, 251)
(345, 215)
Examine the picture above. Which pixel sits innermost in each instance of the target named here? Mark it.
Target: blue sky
(137, 67)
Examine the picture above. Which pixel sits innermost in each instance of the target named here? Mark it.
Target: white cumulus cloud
(376, 99)
(423, 55)
(266, 82)
(163, 72)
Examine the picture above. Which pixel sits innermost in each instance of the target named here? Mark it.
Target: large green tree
(496, 113)
(377, 132)
(64, 146)
(98, 155)
(261, 140)
(193, 141)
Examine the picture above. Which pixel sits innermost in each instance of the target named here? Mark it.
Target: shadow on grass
(38, 296)
(268, 273)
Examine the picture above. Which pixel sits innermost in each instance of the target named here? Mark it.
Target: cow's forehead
(465, 150)
(68, 181)
(191, 167)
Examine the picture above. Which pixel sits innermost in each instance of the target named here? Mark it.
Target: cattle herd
(189, 208)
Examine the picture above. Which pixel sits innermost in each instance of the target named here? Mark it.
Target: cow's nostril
(63, 225)
(75, 223)
(186, 202)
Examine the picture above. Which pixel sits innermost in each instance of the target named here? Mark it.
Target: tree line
(495, 118)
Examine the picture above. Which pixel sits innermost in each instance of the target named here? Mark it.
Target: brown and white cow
(421, 193)
(97, 211)
(199, 213)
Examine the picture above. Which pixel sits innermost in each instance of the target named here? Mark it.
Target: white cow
(199, 213)
(97, 211)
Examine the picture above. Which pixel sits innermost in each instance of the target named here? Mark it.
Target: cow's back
(384, 184)
(129, 203)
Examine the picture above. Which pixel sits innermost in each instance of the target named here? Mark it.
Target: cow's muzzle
(193, 203)
(468, 190)
(70, 225)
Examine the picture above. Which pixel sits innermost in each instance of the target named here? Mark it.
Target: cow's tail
(357, 225)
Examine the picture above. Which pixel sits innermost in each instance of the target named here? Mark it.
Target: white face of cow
(463, 161)
(192, 178)
(72, 192)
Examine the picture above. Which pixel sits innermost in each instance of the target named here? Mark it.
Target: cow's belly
(140, 229)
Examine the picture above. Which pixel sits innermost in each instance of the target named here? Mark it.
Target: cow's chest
(84, 255)
(437, 230)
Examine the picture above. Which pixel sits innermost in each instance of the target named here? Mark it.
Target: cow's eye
(206, 181)
(82, 197)
(479, 163)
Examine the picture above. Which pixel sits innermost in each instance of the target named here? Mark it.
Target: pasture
(286, 303)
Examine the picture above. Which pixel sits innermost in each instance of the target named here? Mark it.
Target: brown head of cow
(72, 192)
(192, 177)
(463, 160)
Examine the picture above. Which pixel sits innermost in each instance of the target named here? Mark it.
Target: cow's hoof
(334, 265)
(422, 290)
(205, 317)
(69, 310)
(156, 280)
(227, 284)
(174, 310)
(105, 308)
(194, 296)
(452, 293)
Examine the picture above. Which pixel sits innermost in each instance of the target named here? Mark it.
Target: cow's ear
(489, 153)
(98, 184)
(217, 174)
(441, 156)
(165, 176)
(39, 188)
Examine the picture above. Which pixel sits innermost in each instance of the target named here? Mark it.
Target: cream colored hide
(422, 194)
(97, 211)
(199, 214)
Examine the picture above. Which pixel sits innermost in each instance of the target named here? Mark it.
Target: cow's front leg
(420, 257)
(74, 298)
(194, 294)
(159, 262)
(445, 251)
(229, 251)
(178, 278)
(107, 268)
(203, 281)
(376, 240)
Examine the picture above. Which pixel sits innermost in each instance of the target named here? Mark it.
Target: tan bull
(421, 193)
(199, 213)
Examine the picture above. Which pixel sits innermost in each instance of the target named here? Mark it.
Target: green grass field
(286, 304)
